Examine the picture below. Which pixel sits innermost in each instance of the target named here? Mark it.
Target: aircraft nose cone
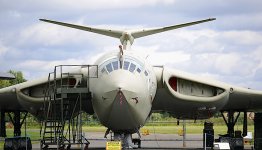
(121, 109)
(121, 116)
(122, 101)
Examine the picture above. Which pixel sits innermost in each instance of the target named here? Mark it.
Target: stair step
(53, 132)
(53, 121)
(48, 138)
(53, 137)
(53, 126)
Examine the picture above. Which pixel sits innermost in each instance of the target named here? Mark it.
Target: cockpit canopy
(130, 64)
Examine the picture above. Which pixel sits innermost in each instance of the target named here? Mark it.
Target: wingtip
(45, 20)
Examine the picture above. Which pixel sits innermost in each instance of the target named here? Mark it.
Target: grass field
(190, 129)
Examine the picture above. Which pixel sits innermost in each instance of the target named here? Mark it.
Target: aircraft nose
(123, 102)
(121, 115)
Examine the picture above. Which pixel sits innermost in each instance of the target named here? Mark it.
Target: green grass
(190, 129)
(173, 129)
(94, 128)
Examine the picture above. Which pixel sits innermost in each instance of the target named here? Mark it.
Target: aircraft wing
(24, 96)
(146, 32)
(106, 32)
(189, 96)
(30, 96)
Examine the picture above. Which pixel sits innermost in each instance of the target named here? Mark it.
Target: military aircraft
(128, 89)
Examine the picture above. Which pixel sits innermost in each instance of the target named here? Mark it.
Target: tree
(19, 78)
(4, 83)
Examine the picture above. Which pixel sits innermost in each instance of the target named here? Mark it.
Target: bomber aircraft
(128, 89)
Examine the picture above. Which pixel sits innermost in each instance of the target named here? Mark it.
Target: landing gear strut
(234, 138)
(17, 142)
(16, 122)
(2, 124)
(127, 140)
(258, 131)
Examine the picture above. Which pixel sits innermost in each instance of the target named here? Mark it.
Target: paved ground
(152, 141)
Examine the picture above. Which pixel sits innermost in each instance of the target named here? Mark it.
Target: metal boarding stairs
(66, 95)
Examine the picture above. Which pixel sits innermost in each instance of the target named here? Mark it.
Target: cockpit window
(138, 70)
(129, 63)
(115, 65)
(146, 73)
(109, 68)
(103, 70)
(132, 67)
(126, 65)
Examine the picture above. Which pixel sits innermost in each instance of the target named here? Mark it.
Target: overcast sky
(228, 49)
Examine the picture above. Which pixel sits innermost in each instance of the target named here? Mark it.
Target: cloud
(51, 35)
(80, 4)
(217, 7)
(242, 37)
(3, 49)
(168, 58)
(258, 74)
(229, 56)
(47, 65)
(226, 63)
(228, 49)
(38, 68)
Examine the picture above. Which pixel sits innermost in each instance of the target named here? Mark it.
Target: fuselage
(124, 90)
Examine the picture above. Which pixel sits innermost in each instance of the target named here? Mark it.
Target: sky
(228, 49)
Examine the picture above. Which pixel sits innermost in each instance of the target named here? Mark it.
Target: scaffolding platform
(66, 97)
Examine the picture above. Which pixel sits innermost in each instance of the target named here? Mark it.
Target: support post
(230, 122)
(234, 138)
(17, 125)
(244, 125)
(2, 124)
(16, 122)
(184, 133)
(18, 142)
(258, 131)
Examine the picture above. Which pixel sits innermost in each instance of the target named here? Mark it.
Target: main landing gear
(234, 138)
(17, 142)
(126, 139)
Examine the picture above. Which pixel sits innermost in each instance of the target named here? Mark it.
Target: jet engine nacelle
(187, 96)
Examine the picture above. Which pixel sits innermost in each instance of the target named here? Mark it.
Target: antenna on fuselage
(127, 37)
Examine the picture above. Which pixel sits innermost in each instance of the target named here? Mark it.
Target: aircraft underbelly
(182, 108)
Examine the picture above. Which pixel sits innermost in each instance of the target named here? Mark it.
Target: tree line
(19, 78)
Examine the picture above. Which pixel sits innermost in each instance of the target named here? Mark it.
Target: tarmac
(151, 141)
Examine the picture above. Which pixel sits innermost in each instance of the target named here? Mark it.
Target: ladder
(63, 105)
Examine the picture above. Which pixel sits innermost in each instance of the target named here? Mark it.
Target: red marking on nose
(120, 97)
